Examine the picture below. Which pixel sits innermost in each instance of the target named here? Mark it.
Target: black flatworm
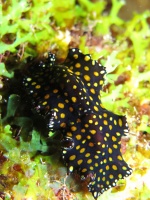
(68, 95)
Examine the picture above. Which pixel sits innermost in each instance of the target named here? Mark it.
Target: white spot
(114, 184)
(95, 194)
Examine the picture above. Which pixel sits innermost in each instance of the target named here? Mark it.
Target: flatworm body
(68, 95)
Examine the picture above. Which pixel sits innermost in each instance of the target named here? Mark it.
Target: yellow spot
(37, 86)
(75, 56)
(47, 96)
(69, 134)
(107, 167)
(88, 137)
(115, 146)
(120, 122)
(105, 115)
(91, 144)
(71, 68)
(63, 125)
(114, 167)
(44, 103)
(74, 87)
(87, 155)
(105, 138)
(78, 120)
(71, 168)
(84, 170)
(101, 170)
(91, 98)
(66, 100)
(87, 77)
(110, 159)
(83, 130)
(105, 160)
(82, 150)
(84, 90)
(90, 121)
(93, 62)
(93, 131)
(73, 128)
(74, 99)
(105, 122)
(115, 122)
(119, 157)
(96, 164)
(100, 128)
(110, 127)
(96, 157)
(87, 103)
(86, 68)
(91, 167)
(79, 161)
(65, 75)
(114, 139)
(55, 91)
(95, 84)
(89, 161)
(98, 152)
(101, 82)
(118, 134)
(62, 115)
(96, 123)
(86, 125)
(107, 134)
(111, 176)
(66, 94)
(124, 168)
(77, 73)
(99, 143)
(29, 79)
(33, 83)
(96, 108)
(107, 182)
(71, 109)
(87, 58)
(84, 141)
(92, 90)
(77, 147)
(109, 150)
(78, 137)
(60, 105)
(96, 74)
(99, 179)
(77, 65)
(73, 157)
(103, 179)
(120, 176)
(110, 118)
(103, 146)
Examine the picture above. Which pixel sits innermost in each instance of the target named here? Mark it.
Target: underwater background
(114, 32)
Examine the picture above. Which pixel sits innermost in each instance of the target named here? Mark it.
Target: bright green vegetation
(31, 28)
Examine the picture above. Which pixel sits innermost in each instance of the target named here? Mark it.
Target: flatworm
(68, 95)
